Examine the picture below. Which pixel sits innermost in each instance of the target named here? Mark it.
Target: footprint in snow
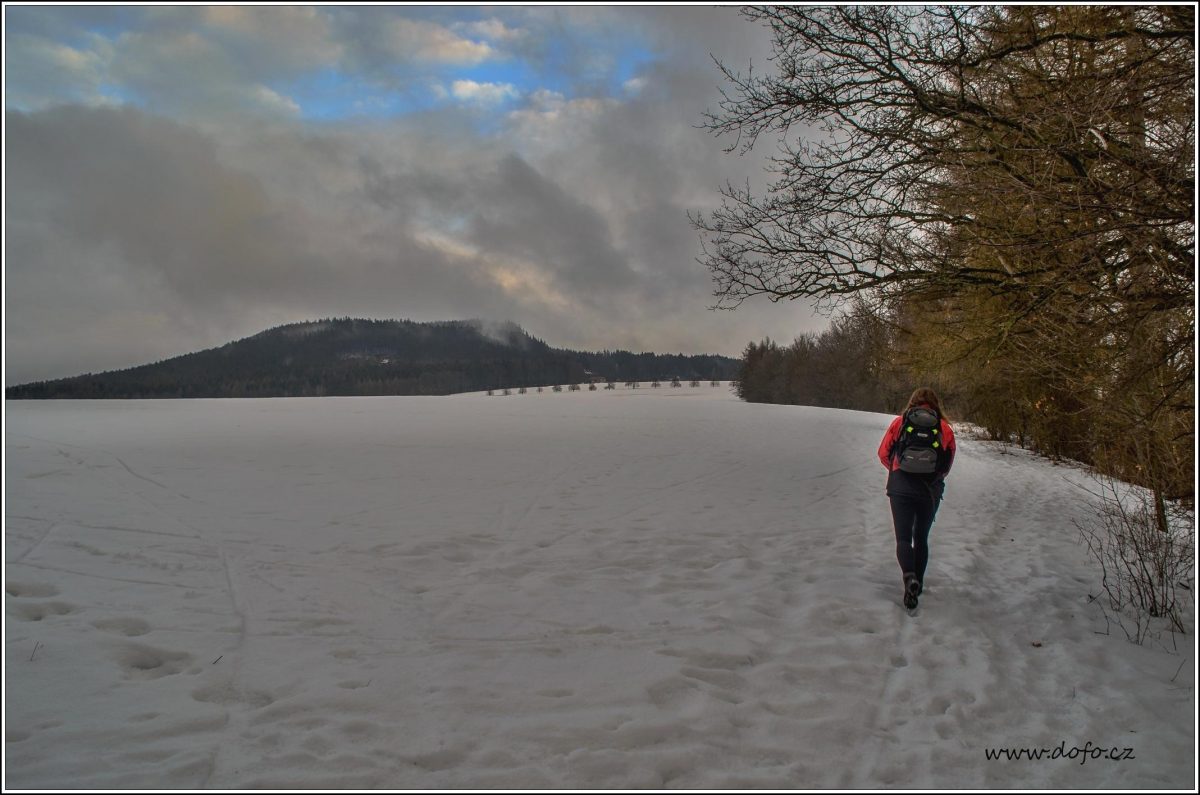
(148, 662)
(36, 611)
(127, 626)
(24, 590)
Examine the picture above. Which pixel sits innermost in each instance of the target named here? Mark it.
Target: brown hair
(925, 395)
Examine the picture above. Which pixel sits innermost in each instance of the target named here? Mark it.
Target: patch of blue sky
(564, 70)
(119, 95)
(601, 67)
(574, 66)
(632, 62)
(330, 94)
(631, 66)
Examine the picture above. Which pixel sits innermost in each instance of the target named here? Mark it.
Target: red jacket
(887, 447)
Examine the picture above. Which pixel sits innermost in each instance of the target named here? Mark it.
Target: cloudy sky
(177, 177)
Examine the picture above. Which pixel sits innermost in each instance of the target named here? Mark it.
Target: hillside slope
(374, 357)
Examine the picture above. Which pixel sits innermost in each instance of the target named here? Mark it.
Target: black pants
(913, 517)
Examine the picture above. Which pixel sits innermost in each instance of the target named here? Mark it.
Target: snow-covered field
(661, 589)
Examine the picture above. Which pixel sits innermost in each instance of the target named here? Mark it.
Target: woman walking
(918, 451)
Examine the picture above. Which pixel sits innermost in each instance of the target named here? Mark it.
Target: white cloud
(491, 30)
(39, 72)
(483, 93)
(552, 121)
(276, 38)
(414, 39)
(634, 85)
(193, 76)
(271, 101)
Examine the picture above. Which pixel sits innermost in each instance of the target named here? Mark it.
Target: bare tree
(902, 127)
(1011, 187)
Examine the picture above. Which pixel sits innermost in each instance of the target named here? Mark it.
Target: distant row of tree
(592, 387)
(847, 366)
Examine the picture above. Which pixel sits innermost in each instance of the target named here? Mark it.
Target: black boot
(912, 589)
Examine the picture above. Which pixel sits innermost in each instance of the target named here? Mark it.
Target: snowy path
(651, 589)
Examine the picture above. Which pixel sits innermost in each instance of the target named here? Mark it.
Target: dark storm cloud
(150, 189)
(133, 236)
(116, 203)
(523, 214)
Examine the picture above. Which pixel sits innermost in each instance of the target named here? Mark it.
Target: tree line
(999, 203)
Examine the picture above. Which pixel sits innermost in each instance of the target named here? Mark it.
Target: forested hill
(375, 357)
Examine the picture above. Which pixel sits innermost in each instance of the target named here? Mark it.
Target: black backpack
(920, 441)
